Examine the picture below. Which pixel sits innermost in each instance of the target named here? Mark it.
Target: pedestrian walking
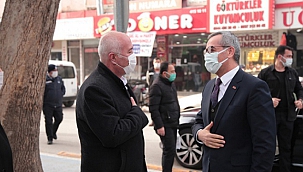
(52, 103)
(287, 95)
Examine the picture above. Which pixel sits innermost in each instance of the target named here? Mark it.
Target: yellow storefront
(257, 50)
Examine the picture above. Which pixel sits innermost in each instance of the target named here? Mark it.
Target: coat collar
(102, 69)
(165, 80)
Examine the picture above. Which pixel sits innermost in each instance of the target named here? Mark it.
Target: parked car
(189, 152)
(140, 90)
(67, 71)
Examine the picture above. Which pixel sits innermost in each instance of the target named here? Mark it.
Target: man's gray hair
(109, 42)
(229, 39)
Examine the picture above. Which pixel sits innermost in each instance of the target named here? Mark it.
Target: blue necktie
(214, 94)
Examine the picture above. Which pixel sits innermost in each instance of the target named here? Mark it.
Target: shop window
(56, 55)
(91, 59)
(257, 59)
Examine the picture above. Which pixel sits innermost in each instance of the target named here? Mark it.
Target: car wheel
(68, 103)
(190, 153)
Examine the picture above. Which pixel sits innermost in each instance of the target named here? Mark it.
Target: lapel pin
(234, 87)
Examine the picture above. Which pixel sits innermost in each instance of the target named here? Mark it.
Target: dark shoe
(55, 136)
(49, 142)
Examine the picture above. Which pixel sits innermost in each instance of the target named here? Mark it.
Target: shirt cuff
(196, 137)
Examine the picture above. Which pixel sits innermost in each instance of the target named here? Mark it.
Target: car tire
(68, 103)
(190, 153)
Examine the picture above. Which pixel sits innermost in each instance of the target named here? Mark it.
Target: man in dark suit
(6, 157)
(237, 125)
(108, 119)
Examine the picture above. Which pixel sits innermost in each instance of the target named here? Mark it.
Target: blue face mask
(172, 76)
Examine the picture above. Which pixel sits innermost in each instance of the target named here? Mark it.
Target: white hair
(109, 42)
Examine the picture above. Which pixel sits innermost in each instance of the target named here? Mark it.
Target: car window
(66, 72)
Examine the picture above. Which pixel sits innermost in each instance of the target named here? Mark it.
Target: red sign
(234, 15)
(187, 20)
(289, 18)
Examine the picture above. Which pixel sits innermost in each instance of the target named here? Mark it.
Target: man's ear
(112, 57)
(231, 51)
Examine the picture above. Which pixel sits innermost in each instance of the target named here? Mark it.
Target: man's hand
(275, 101)
(298, 104)
(133, 101)
(211, 140)
(161, 131)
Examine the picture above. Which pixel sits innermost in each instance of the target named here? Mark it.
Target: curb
(149, 166)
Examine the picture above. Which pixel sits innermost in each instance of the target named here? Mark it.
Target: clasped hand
(211, 140)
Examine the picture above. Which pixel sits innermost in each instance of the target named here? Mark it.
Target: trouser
(50, 126)
(169, 148)
(284, 134)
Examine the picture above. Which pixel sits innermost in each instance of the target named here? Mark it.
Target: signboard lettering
(240, 14)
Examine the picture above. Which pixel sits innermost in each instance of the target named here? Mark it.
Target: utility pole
(99, 7)
(121, 15)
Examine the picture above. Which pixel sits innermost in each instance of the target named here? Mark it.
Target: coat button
(212, 110)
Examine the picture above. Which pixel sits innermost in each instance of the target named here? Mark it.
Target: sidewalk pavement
(54, 163)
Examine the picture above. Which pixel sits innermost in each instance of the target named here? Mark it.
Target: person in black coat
(52, 102)
(108, 119)
(287, 96)
(165, 112)
(6, 157)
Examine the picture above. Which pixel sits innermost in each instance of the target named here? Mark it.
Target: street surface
(68, 145)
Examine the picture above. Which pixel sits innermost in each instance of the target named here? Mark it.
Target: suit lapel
(206, 96)
(233, 87)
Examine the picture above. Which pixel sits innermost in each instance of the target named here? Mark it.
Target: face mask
(211, 61)
(157, 65)
(132, 61)
(288, 62)
(172, 76)
(54, 74)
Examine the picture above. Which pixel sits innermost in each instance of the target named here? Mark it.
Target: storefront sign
(64, 50)
(237, 15)
(74, 29)
(145, 5)
(188, 20)
(143, 42)
(288, 1)
(252, 40)
(195, 3)
(289, 18)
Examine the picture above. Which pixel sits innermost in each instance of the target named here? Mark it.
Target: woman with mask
(165, 112)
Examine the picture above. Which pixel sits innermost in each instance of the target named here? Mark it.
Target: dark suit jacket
(246, 119)
(109, 127)
(6, 158)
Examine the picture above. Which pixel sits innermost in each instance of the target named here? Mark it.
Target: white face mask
(132, 60)
(157, 65)
(288, 62)
(211, 61)
(54, 74)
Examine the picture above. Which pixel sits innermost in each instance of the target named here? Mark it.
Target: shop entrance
(186, 51)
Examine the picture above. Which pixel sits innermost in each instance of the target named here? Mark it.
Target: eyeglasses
(212, 49)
